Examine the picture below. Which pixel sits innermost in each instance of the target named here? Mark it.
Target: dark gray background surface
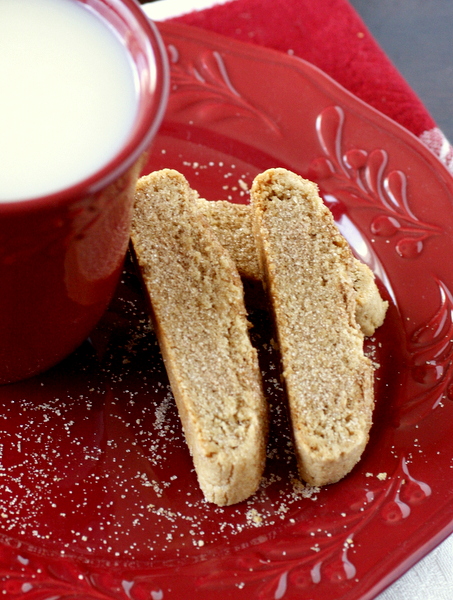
(417, 35)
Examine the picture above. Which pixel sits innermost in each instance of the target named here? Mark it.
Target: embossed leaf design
(359, 178)
(42, 578)
(431, 348)
(299, 560)
(404, 492)
(204, 84)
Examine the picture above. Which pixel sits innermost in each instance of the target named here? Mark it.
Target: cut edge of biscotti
(199, 317)
(232, 224)
(308, 272)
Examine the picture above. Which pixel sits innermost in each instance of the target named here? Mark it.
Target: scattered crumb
(254, 517)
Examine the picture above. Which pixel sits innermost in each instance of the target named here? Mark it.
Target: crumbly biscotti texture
(233, 226)
(308, 269)
(370, 308)
(199, 317)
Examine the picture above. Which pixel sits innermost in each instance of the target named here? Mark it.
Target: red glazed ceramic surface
(98, 497)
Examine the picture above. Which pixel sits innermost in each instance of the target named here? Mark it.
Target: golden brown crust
(200, 321)
(308, 270)
(370, 309)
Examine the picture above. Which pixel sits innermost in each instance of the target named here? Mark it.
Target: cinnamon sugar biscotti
(232, 224)
(309, 276)
(198, 314)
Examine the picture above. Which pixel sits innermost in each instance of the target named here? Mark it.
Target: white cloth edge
(436, 141)
(430, 579)
(167, 9)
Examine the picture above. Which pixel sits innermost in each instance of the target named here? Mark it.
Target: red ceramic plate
(98, 498)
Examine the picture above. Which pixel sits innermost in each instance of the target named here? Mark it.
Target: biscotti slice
(308, 269)
(198, 314)
(232, 224)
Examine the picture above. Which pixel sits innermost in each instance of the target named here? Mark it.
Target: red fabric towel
(332, 36)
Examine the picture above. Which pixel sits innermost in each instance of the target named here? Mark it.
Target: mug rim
(151, 110)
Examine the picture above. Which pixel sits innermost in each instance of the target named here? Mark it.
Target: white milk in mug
(68, 96)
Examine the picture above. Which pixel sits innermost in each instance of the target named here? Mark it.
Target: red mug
(61, 255)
